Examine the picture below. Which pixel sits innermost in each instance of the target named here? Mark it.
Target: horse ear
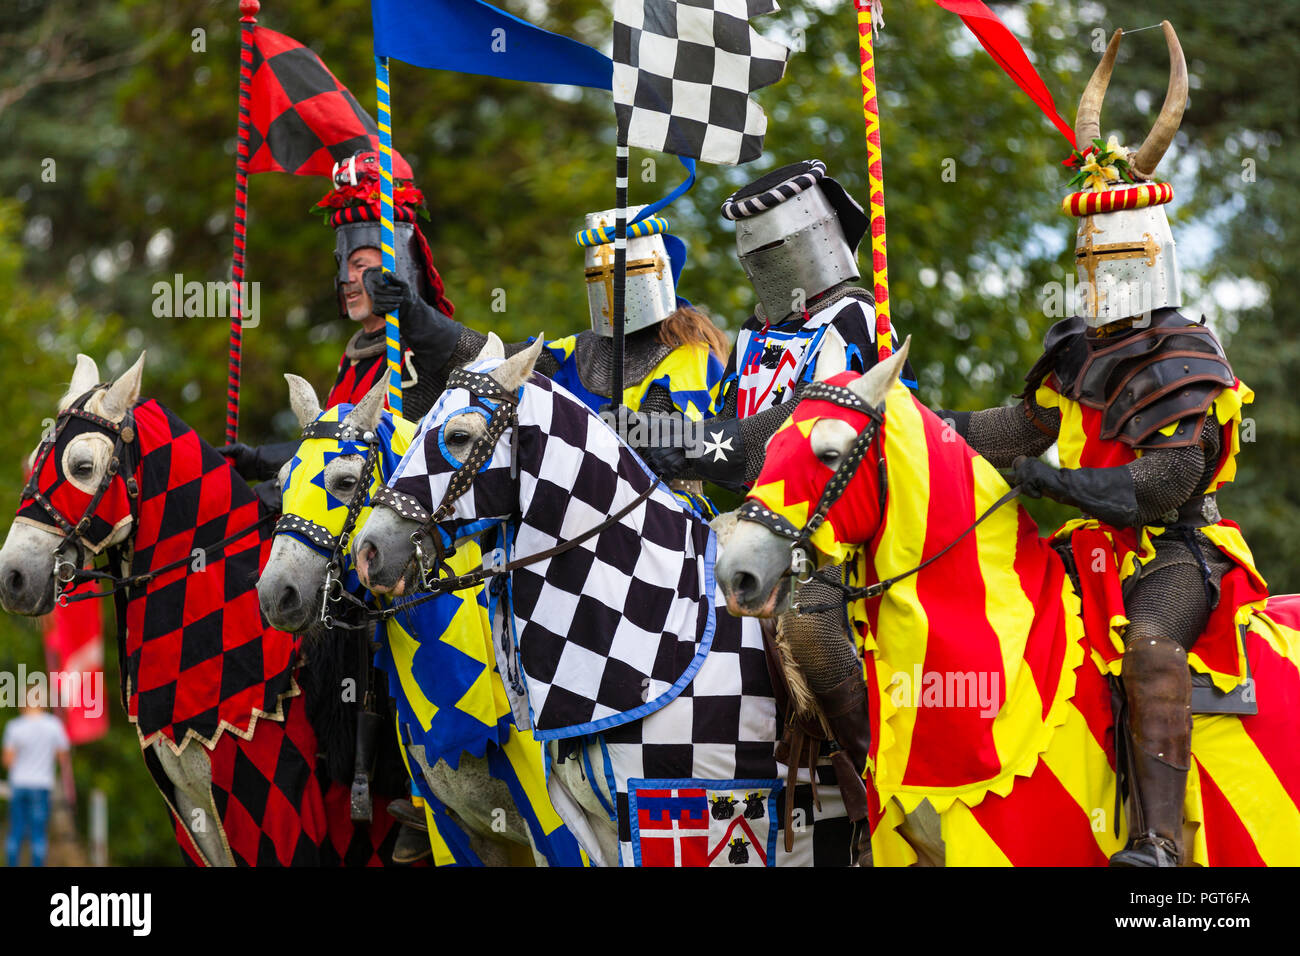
(122, 394)
(830, 362)
(302, 399)
(873, 386)
(84, 377)
(515, 370)
(365, 414)
(492, 348)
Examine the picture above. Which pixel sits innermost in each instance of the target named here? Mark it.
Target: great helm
(797, 235)
(353, 209)
(1124, 251)
(654, 261)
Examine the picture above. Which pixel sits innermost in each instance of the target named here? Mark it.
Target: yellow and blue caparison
(440, 662)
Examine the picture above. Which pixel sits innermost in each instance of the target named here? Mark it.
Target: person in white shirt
(31, 744)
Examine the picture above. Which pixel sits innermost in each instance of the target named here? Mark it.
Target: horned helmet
(1124, 250)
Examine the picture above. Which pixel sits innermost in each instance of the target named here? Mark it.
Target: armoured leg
(819, 644)
(1167, 610)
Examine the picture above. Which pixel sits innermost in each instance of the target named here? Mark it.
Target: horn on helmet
(1087, 121)
(1171, 113)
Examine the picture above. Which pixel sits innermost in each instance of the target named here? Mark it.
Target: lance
(387, 242)
(247, 24)
(869, 17)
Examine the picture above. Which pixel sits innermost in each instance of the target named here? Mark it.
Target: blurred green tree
(136, 106)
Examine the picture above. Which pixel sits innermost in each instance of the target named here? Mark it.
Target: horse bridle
(801, 538)
(504, 415)
(320, 538)
(66, 572)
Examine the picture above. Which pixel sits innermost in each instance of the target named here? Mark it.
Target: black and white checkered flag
(683, 74)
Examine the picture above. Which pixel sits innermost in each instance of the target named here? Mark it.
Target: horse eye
(458, 437)
(83, 469)
(347, 483)
(829, 457)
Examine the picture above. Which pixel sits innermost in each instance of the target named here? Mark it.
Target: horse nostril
(14, 581)
(290, 600)
(368, 559)
(743, 585)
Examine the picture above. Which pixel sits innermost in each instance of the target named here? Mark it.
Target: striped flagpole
(620, 267)
(247, 24)
(392, 338)
(875, 174)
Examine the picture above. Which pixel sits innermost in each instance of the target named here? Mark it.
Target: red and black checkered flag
(303, 119)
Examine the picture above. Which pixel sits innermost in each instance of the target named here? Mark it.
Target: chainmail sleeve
(1164, 478)
(1003, 434)
(657, 399)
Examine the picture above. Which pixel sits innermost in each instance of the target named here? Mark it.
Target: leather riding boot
(1158, 686)
(845, 707)
(407, 813)
(412, 845)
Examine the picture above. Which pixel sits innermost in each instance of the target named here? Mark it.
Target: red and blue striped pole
(247, 24)
(392, 330)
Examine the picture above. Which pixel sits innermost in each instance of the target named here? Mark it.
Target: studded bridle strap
(124, 436)
(504, 415)
(800, 539)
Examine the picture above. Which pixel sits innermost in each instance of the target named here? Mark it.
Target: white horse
(628, 658)
(319, 485)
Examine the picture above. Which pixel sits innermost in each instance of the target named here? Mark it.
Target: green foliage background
(140, 125)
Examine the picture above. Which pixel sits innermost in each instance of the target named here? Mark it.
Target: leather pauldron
(1145, 379)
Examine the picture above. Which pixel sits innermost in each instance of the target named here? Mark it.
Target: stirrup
(1150, 850)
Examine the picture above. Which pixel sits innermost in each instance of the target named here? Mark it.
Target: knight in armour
(1144, 409)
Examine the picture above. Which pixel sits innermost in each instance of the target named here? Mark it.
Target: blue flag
(469, 36)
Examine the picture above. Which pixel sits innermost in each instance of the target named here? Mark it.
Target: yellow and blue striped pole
(386, 229)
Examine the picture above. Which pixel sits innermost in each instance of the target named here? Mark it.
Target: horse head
(467, 438)
(78, 501)
(319, 485)
(803, 458)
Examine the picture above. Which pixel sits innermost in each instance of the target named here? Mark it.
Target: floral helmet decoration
(353, 207)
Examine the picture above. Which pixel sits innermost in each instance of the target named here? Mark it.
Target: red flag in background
(1007, 52)
(303, 119)
(74, 649)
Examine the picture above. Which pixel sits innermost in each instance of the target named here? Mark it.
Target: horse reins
(801, 539)
(504, 415)
(67, 575)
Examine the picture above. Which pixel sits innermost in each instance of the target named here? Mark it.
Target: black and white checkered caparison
(608, 629)
(734, 207)
(683, 74)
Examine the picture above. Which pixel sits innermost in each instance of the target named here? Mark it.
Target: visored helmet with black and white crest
(797, 235)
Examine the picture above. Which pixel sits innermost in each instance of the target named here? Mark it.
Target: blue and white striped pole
(393, 333)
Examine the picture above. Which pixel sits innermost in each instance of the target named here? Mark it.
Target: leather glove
(657, 437)
(960, 420)
(715, 451)
(270, 494)
(424, 329)
(387, 292)
(259, 462)
(1038, 479)
(1105, 493)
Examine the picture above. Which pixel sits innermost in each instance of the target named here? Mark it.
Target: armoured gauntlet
(1105, 493)
(673, 447)
(424, 329)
